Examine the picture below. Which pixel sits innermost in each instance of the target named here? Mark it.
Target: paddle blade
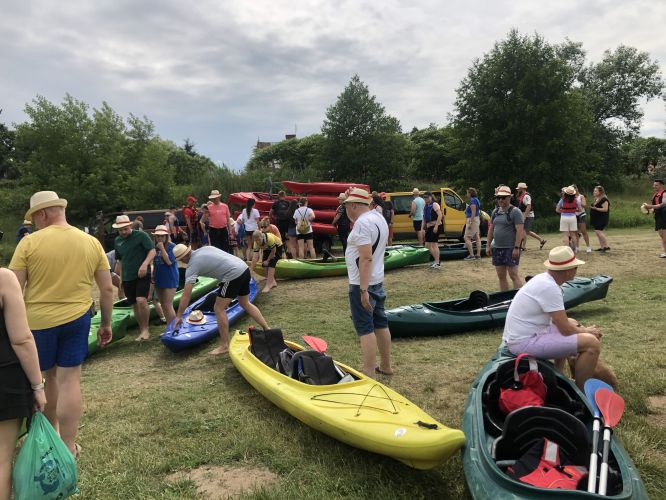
(316, 343)
(611, 406)
(592, 385)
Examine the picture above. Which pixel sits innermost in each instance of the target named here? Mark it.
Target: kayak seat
(556, 396)
(529, 425)
(477, 299)
(208, 304)
(267, 345)
(314, 368)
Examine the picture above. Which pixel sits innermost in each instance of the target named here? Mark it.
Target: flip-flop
(77, 451)
(380, 372)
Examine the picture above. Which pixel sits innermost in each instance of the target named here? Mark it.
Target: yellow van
(453, 214)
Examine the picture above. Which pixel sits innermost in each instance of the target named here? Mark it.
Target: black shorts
(659, 221)
(432, 236)
(273, 262)
(240, 287)
(581, 218)
(16, 398)
(417, 225)
(137, 288)
(306, 237)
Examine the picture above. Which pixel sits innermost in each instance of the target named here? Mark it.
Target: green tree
(433, 152)
(364, 143)
(8, 168)
(644, 155)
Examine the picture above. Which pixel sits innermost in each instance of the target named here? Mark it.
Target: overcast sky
(224, 73)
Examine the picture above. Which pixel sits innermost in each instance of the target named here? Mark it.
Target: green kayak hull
(394, 257)
(463, 315)
(482, 426)
(455, 251)
(122, 315)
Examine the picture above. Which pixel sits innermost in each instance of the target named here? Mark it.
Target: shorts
(64, 345)
(529, 222)
(266, 253)
(431, 236)
(16, 398)
(659, 222)
(139, 287)
(291, 232)
(283, 227)
(417, 225)
(581, 218)
(547, 344)
(366, 322)
(472, 227)
(239, 287)
(306, 236)
(568, 223)
(503, 257)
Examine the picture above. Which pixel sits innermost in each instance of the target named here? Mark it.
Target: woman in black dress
(599, 212)
(21, 383)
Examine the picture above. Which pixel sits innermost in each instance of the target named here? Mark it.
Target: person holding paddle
(537, 323)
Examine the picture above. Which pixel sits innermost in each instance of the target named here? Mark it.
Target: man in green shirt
(134, 253)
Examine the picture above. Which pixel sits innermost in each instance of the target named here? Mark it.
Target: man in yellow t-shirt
(56, 266)
(270, 248)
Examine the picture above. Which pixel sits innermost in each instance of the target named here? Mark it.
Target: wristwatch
(363, 290)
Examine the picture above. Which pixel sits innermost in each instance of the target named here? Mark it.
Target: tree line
(527, 110)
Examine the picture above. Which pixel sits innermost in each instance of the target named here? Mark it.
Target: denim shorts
(63, 345)
(366, 322)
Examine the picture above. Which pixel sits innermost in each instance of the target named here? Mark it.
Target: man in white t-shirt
(537, 323)
(365, 266)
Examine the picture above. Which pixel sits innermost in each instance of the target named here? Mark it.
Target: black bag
(314, 368)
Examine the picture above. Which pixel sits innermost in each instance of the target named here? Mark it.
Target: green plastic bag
(45, 468)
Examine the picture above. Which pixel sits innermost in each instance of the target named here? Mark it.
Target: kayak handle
(427, 425)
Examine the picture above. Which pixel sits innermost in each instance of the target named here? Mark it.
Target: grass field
(149, 413)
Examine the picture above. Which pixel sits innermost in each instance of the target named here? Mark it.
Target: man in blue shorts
(505, 234)
(365, 266)
(57, 266)
(537, 323)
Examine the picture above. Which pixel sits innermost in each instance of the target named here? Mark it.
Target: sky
(226, 73)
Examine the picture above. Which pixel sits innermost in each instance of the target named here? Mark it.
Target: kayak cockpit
(477, 301)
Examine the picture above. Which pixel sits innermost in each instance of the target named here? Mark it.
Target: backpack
(282, 212)
(542, 467)
(314, 368)
(527, 389)
(508, 215)
(303, 226)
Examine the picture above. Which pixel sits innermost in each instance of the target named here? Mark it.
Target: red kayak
(320, 228)
(322, 187)
(264, 201)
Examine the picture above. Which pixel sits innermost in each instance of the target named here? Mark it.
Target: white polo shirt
(369, 229)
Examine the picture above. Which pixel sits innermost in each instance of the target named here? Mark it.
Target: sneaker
(477, 257)
(470, 257)
(663, 256)
(589, 250)
(435, 265)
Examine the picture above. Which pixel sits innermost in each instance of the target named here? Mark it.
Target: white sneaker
(589, 250)
(663, 256)
(435, 265)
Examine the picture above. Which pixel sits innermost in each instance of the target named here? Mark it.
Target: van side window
(402, 204)
(453, 201)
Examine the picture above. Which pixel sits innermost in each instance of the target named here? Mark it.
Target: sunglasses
(502, 197)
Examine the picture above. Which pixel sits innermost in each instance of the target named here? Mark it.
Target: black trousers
(343, 234)
(219, 237)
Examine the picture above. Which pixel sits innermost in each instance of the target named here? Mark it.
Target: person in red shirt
(218, 222)
(190, 215)
(658, 207)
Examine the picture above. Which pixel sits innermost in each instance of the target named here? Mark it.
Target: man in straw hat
(524, 200)
(365, 267)
(234, 277)
(57, 266)
(219, 227)
(505, 234)
(537, 323)
(658, 206)
(134, 253)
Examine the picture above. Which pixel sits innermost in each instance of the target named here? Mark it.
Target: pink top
(219, 215)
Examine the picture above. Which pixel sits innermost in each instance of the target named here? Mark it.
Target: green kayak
(496, 441)
(455, 251)
(122, 316)
(394, 257)
(480, 310)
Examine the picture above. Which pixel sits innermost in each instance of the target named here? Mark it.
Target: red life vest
(569, 207)
(521, 205)
(658, 198)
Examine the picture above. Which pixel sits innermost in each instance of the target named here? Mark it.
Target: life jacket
(657, 199)
(521, 205)
(526, 389)
(569, 207)
(540, 466)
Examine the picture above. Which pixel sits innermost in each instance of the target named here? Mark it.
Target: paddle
(611, 406)
(591, 387)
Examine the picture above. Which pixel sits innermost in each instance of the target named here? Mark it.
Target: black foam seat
(315, 368)
(478, 299)
(267, 345)
(526, 426)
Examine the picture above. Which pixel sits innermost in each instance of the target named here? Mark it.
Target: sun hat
(570, 190)
(503, 191)
(44, 199)
(357, 195)
(196, 317)
(521, 185)
(214, 194)
(416, 191)
(121, 221)
(342, 196)
(27, 222)
(191, 199)
(180, 251)
(562, 258)
(161, 230)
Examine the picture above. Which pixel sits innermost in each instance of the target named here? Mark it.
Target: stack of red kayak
(322, 199)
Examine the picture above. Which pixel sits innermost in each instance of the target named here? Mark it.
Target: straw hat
(180, 251)
(342, 196)
(214, 194)
(121, 221)
(503, 191)
(416, 191)
(570, 190)
(521, 185)
(161, 230)
(44, 199)
(562, 258)
(357, 195)
(196, 317)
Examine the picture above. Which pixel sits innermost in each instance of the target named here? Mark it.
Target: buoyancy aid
(569, 207)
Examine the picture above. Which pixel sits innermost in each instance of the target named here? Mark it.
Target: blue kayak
(189, 335)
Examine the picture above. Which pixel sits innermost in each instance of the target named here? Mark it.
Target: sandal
(381, 372)
(77, 451)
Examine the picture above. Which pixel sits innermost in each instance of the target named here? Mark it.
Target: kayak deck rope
(362, 404)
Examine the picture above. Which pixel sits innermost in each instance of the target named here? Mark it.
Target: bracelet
(38, 387)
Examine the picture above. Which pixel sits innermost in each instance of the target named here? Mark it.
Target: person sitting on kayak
(271, 248)
(234, 277)
(537, 323)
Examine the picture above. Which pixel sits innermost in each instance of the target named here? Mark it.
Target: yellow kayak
(362, 413)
